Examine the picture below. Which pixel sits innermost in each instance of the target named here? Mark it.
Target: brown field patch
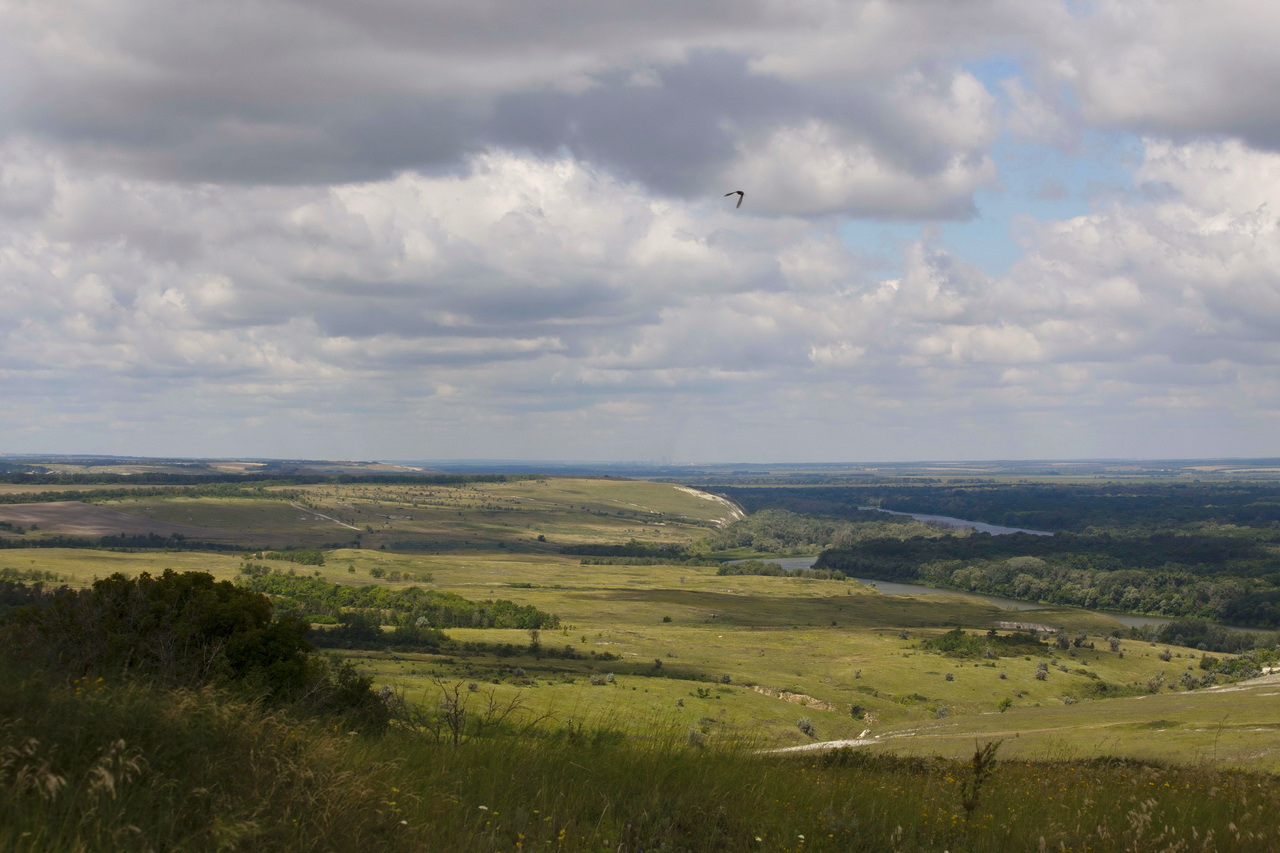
(73, 518)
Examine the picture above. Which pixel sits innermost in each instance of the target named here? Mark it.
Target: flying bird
(740, 194)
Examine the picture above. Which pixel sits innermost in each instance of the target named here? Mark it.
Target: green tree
(178, 629)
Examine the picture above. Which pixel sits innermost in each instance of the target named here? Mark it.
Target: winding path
(322, 515)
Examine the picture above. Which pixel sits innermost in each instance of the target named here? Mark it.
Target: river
(890, 588)
(893, 588)
(1129, 620)
(948, 521)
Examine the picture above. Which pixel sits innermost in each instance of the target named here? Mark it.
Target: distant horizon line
(655, 463)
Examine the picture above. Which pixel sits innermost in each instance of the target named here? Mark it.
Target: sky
(427, 229)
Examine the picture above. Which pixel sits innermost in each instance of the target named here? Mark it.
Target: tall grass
(90, 765)
(662, 795)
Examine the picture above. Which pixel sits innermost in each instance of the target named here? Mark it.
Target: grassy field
(96, 765)
(510, 515)
(784, 661)
(1236, 725)
(732, 659)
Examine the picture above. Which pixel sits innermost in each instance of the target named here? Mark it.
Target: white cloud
(817, 169)
(427, 229)
(1177, 66)
(670, 95)
(543, 286)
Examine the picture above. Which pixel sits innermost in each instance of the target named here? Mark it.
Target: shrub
(304, 557)
(184, 629)
(180, 629)
(958, 643)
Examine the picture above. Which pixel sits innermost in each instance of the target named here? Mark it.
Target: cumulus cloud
(1170, 302)
(679, 97)
(1176, 67)
(927, 159)
(429, 229)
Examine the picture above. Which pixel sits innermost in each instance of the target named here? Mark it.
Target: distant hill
(133, 465)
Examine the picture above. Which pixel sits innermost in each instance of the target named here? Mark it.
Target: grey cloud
(670, 134)
(666, 94)
(1181, 68)
(494, 233)
(452, 311)
(678, 133)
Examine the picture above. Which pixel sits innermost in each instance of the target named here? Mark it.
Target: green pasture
(732, 658)
(516, 514)
(82, 566)
(761, 632)
(531, 515)
(746, 656)
(761, 681)
(1236, 725)
(259, 522)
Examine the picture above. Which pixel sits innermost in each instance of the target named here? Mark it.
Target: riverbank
(960, 523)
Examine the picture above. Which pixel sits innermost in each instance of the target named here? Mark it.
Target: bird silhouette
(740, 194)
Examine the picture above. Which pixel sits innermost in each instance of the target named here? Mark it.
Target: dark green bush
(184, 629)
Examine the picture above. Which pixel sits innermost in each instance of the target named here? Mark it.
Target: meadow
(651, 718)
(96, 765)
(728, 657)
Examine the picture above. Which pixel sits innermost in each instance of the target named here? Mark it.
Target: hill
(653, 674)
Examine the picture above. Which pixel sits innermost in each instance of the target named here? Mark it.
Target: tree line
(121, 542)
(410, 606)
(180, 630)
(775, 570)
(1036, 506)
(1227, 580)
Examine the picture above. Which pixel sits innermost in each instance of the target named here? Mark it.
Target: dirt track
(73, 518)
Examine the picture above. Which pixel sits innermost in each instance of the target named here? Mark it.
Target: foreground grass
(1233, 725)
(98, 766)
(92, 766)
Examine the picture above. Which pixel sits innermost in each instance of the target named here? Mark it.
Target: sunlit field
(670, 708)
(746, 658)
(96, 765)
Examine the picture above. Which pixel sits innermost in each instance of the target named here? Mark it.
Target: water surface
(959, 523)
(1129, 620)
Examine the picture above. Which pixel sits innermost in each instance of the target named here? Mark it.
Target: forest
(1228, 579)
(1204, 550)
(1036, 506)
